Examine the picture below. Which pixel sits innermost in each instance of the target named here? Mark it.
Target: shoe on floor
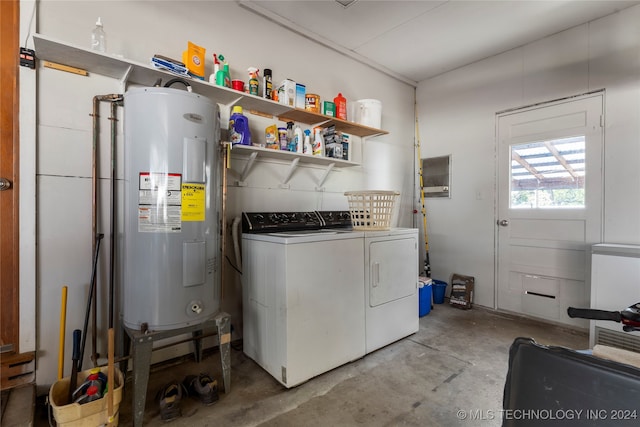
(203, 387)
(170, 397)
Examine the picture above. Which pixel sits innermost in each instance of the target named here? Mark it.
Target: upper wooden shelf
(308, 117)
(129, 71)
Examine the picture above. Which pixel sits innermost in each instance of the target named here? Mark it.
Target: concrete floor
(457, 361)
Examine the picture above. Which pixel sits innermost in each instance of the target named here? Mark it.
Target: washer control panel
(270, 222)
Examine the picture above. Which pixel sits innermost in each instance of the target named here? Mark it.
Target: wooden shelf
(129, 71)
(308, 117)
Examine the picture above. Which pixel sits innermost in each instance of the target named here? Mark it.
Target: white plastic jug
(368, 112)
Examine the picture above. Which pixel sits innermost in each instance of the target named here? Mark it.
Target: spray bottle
(253, 81)
(318, 142)
(216, 68)
(290, 137)
(308, 148)
(222, 76)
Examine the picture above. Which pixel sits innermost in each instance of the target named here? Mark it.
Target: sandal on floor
(170, 397)
(203, 387)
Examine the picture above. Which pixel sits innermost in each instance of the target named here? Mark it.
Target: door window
(548, 174)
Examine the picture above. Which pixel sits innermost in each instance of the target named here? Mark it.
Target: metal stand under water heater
(171, 229)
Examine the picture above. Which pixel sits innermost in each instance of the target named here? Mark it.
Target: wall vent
(617, 339)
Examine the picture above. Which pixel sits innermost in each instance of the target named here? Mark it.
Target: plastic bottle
(99, 37)
(308, 148)
(239, 132)
(341, 106)
(267, 85)
(282, 138)
(91, 390)
(227, 75)
(253, 81)
(318, 143)
(298, 138)
(290, 136)
(223, 78)
(216, 69)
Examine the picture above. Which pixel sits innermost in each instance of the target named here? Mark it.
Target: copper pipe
(94, 205)
(223, 227)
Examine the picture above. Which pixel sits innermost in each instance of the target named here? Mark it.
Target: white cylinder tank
(171, 250)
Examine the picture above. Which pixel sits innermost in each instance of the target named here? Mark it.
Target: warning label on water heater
(193, 202)
(160, 202)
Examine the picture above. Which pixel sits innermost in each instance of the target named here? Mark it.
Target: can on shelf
(312, 102)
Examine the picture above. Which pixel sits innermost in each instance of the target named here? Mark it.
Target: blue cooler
(424, 296)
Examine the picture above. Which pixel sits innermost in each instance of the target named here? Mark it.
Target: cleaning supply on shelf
(271, 137)
(340, 106)
(223, 78)
(168, 64)
(239, 132)
(298, 139)
(253, 81)
(329, 108)
(345, 146)
(216, 68)
(193, 59)
(290, 138)
(301, 91)
(282, 138)
(267, 84)
(312, 103)
(307, 147)
(99, 37)
(318, 142)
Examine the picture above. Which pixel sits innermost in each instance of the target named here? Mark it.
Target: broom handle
(110, 377)
(63, 325)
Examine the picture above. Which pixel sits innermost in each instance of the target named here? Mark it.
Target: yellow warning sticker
(193, 202)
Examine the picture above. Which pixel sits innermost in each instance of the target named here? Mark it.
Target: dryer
(391, 286)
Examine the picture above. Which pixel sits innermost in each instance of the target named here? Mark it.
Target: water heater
(171, 251)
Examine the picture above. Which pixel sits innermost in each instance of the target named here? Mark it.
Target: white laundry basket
(371, 210)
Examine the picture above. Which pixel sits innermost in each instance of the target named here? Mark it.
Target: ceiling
(415, 40)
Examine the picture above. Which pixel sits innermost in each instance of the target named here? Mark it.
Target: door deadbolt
(503, 222)
(5, 184)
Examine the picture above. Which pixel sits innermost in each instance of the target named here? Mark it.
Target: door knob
(5, 184)
(503, 222)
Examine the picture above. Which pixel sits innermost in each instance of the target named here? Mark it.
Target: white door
(549, 206)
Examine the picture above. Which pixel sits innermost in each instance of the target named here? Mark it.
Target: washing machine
(391, 286)
(302, 293)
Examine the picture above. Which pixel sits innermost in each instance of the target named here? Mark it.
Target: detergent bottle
(341, 106)
(253, 81)
(239, 132)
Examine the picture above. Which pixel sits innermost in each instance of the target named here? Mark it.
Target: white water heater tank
(170, 253)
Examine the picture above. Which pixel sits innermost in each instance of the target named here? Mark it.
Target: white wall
(457, 116)
(137, 30)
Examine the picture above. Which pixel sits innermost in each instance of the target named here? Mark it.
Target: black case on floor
(556, 386)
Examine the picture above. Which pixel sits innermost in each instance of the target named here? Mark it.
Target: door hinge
(601, 120)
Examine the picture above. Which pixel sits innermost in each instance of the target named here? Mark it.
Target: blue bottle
(239, 132)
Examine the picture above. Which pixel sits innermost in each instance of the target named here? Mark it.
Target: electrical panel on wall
(436, 176)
